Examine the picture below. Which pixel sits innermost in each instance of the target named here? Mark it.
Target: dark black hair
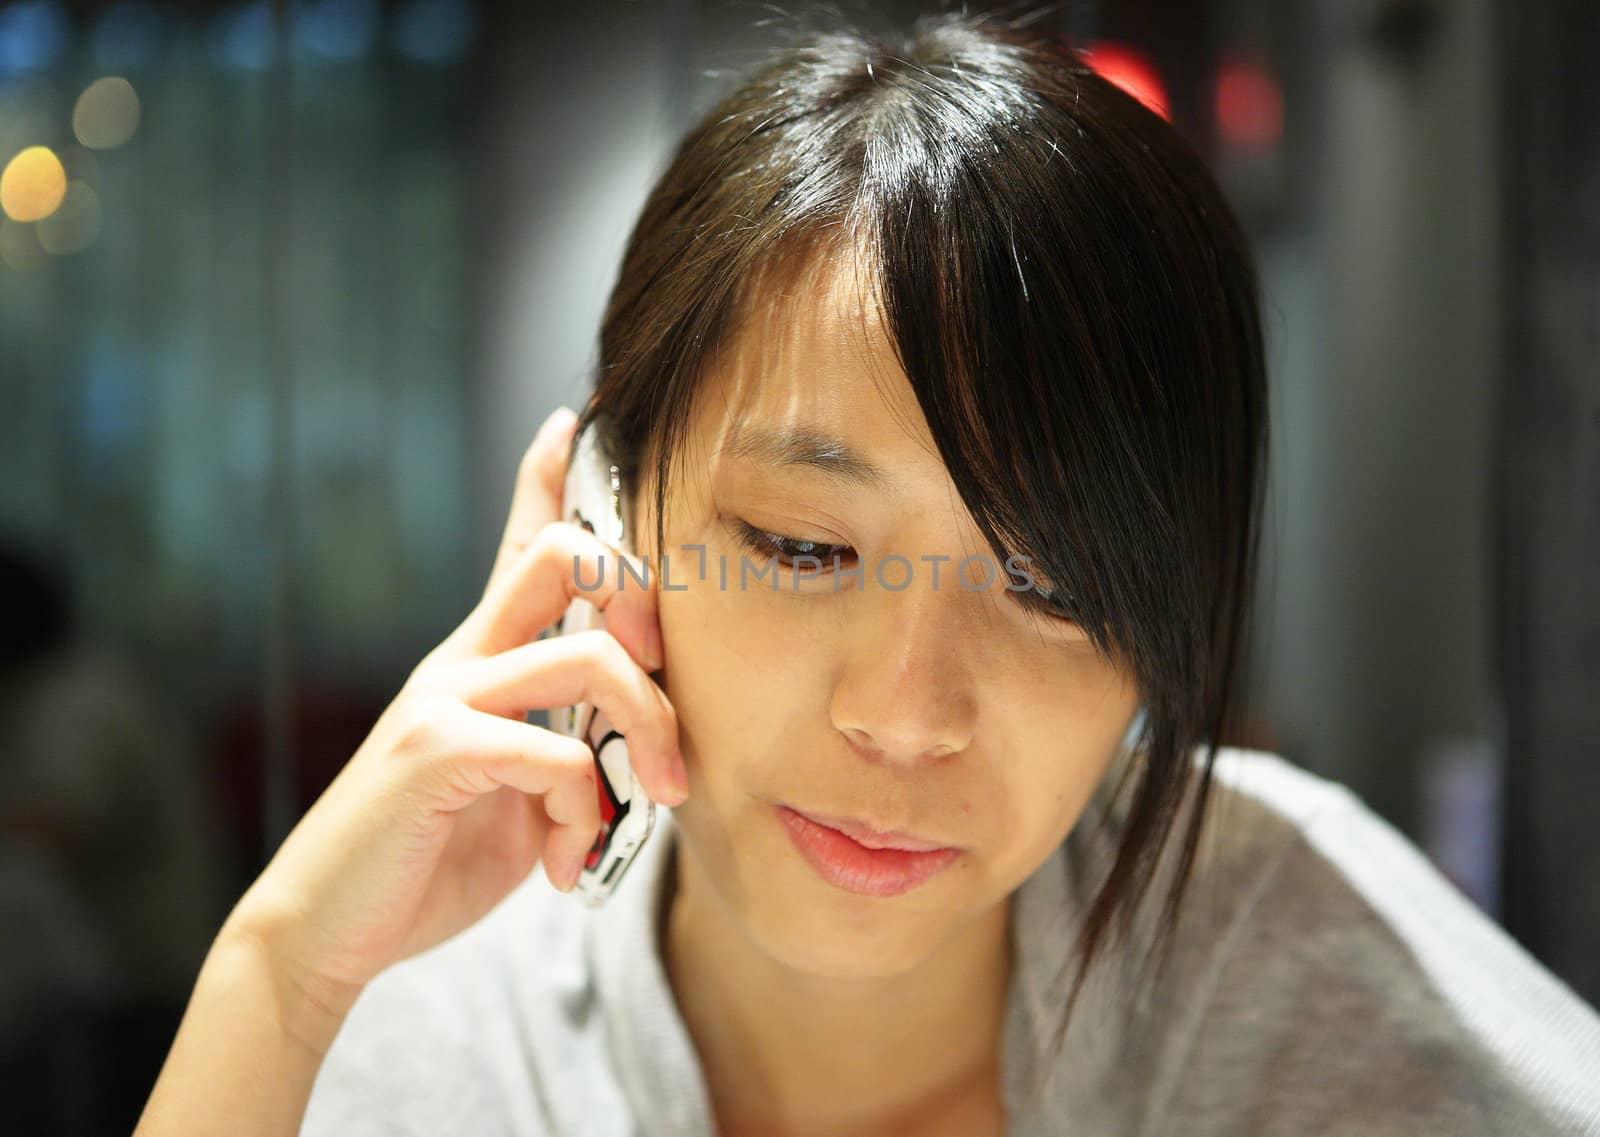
(1075, 305)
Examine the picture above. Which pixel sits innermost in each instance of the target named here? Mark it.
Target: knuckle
(580, 807)
(588, 785)
(669, 713)
(565, 541)
(537, 550)
(428, 674)
(598, 652)
(568, 754)
(420, 731)
(549, 554)
(579, 754)
(556, 537)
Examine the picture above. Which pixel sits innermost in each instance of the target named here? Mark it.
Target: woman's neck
(790, 1055)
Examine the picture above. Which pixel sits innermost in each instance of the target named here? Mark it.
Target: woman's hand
(453, 797)
(446, 807)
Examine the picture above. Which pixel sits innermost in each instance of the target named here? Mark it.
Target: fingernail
(655, 653)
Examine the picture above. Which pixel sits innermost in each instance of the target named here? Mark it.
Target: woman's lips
(845, 862)
(874, 838)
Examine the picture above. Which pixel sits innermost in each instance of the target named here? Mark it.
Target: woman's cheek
(729, 653)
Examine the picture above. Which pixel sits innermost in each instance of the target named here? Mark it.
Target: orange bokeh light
(33, 184)
(1130, 69)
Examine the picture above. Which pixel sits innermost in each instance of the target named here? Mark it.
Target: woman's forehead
(813, 360)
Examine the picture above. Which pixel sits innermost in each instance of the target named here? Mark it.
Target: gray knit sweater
(1326, 980)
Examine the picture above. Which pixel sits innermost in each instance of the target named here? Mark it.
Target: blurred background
(285, 289)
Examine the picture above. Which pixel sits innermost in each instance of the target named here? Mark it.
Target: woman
(956, 298)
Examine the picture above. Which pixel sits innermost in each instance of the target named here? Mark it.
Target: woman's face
(942, 708)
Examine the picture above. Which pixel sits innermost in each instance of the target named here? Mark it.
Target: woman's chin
(808, 941)
(818, 929)
(832, 922)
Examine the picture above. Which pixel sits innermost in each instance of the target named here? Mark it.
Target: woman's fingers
(536, 500)
(486, 751)
(563, 563)
(586, 667)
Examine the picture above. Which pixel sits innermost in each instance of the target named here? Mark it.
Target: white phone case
(593, 499)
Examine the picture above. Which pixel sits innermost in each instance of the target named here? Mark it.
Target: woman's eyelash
(1058, 606)
(785, 549)
(1049, 602)
(1056, 603)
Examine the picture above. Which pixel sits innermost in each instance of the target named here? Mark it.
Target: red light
(1131, 70)
(1248, 105)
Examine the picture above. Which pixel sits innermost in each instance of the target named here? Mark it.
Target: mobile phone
(593, 498)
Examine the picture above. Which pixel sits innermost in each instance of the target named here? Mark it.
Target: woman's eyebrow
(789, 445)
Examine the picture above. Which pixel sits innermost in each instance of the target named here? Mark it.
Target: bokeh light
(338, 29)
(33, 35)
(1130, 69)
(435, 31)
(1249, 105)
(243, 37)
(74, 226)
(33, 184)
(107, 113)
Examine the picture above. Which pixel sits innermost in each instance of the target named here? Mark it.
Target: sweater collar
(655, 1058)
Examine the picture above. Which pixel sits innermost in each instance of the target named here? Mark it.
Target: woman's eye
(1061, 606)
(787, 549)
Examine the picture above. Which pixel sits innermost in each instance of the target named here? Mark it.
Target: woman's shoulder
(1339, 979)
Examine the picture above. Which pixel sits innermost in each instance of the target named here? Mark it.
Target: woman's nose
(907, 691)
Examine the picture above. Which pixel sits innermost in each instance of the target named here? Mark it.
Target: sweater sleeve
(487, 1034)
(403, 1065)
(1364, 994)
